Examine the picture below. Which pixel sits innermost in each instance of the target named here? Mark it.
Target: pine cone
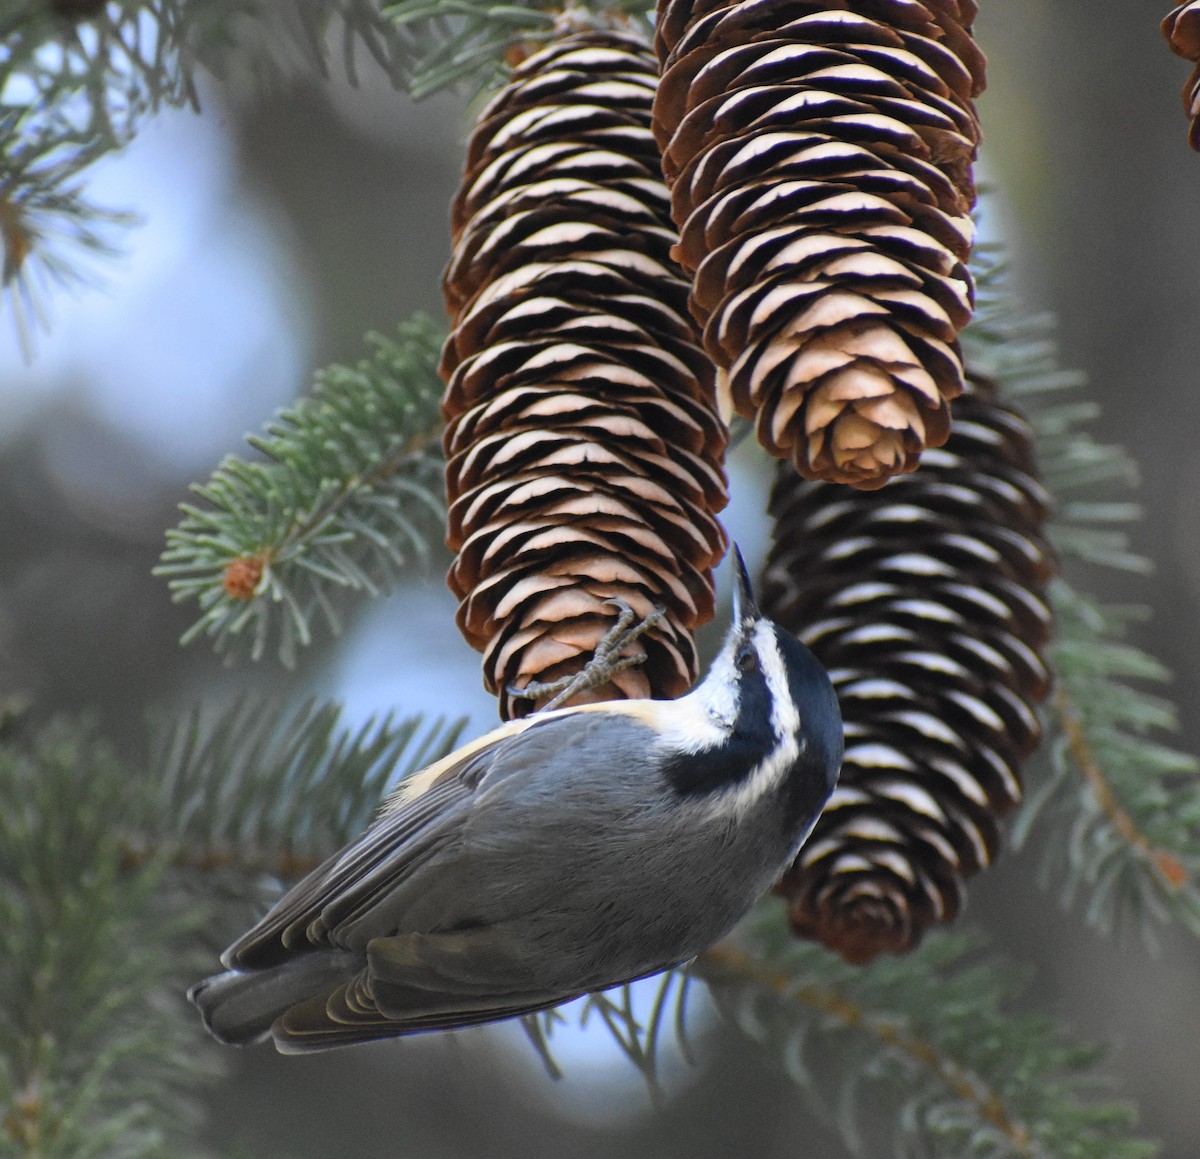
(1182, 30)
(925, 601)
(819, 158)
(583, 449)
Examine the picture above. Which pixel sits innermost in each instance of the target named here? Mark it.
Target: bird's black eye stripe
(746, 659)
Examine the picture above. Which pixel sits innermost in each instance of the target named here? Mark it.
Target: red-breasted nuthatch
(562, 853)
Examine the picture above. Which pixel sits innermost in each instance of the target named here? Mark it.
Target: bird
(558, 855)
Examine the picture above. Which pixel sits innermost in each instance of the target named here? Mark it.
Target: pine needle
(1115, 808)
(929, 1043)
(346, 499)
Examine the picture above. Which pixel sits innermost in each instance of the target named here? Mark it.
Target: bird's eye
(746, 659)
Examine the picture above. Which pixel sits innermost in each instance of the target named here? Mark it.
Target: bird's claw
(605, 663)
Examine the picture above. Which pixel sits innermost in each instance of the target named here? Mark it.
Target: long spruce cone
(819, 158)
(925, 601)
(583, 443)
(1181, 27)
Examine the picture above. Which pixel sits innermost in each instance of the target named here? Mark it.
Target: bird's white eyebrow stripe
(785, 713)
(739, 798)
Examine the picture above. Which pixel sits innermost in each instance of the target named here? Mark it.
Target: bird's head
(770, 714)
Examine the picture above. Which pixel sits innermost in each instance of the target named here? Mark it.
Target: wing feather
(375, 904)
(428, 809)
(321, 1023)
(349, 881)
(415, 982)
(424, 811)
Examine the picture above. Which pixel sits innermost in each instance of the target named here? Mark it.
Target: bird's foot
(605, 663)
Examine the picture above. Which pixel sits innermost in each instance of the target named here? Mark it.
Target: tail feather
(321, 999)
(240, 1006)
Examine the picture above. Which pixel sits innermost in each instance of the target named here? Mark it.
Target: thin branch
(1169, 867)
(347, 494)
(727, 959)
(403, 456)
(283, 864)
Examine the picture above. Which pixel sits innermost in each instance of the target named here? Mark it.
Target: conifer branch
(254, 790)
(285, 866)
(261, 788)
(728, 962)
(269, 789)
(104, 911)
(1121, 808)
(1124, 808)
(931, 1041)
(70, 93)
(348, 497)
(75, 88)
(468, 41)
(1174, 873)
(931, 1037)
(640, 1041)
(96, 1058)
(49, 229)
(102, 73)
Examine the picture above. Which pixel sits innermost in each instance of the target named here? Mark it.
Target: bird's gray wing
(395, 844)
(426, 814)
(375, 942)
(417, 982)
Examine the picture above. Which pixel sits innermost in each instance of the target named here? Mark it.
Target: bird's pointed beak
(744, 607)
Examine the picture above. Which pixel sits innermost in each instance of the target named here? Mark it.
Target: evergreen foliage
(69, 94)
(1122, 832)
(108, 873)
(639, 1039)
(346, 496)
(465, 42)
(97, 1056)
(112, 881)
(77, 80)
(966, 1075)
(274, 789)
(1117, 807)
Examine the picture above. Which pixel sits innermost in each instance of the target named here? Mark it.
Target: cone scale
(926, 602)
(819, 158)
(1181, 27)
(584, 449)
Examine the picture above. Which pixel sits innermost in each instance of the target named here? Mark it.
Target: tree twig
(732, 962)
(1169, 867)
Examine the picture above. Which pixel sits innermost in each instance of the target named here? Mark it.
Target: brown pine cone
(1182, 30)
(819, 158)
(925, 601)
(584, 451)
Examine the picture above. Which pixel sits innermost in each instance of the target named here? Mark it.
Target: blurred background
(285, 222)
